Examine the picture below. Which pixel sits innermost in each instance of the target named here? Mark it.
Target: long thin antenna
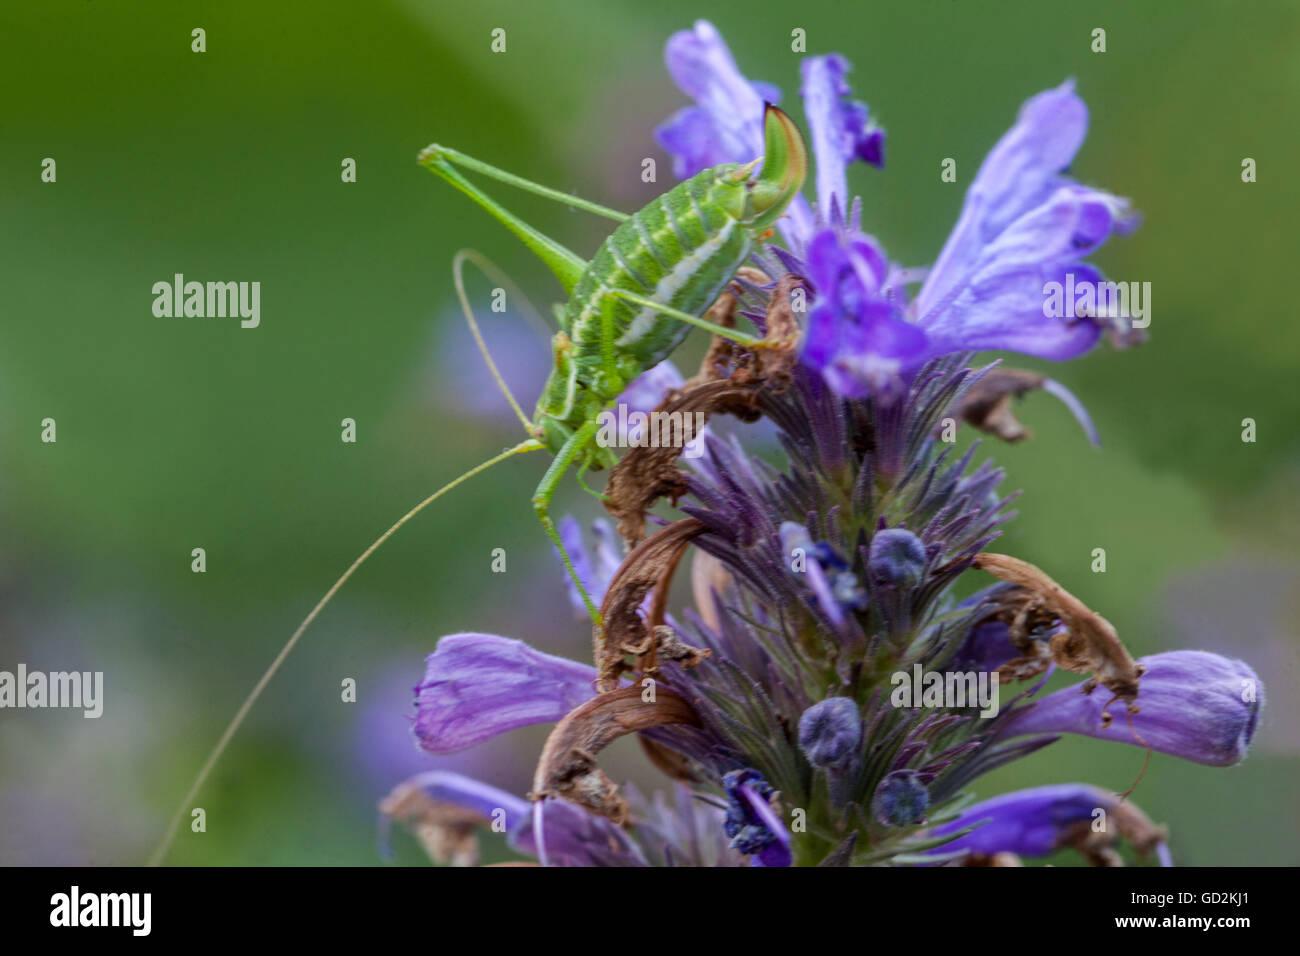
(161, 851)
(493, 273)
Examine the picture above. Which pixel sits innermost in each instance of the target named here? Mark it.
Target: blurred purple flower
(1041, 820)
(479, 685)
(754, 828)
(521, 355)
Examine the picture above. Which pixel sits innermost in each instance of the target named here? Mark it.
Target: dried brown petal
(650, 565)
(446, 831)
(567, 767)
(987, 403)
(646, 474)
(1089, 644)
(1125, 819)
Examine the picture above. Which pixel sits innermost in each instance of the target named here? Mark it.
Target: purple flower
(1023, 225)
(841, 131)
(830, 732)
(482, 799)
(828, 573)
(986, 647)
(1041, 820)
(479, 685)
(726, 124)
(897, 558)
(753, 826)
(442, 807)
(1192, 704)
(834, 587)
(901, 800)
(856, 335)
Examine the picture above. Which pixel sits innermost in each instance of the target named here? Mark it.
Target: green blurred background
(182, 433)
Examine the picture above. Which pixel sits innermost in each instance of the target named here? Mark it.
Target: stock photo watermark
(945, 690)
(208, 300)
(71, 690)
(1085, 299)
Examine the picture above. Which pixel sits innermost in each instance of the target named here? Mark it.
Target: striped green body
(680, 250)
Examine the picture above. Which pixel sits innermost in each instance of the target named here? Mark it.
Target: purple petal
(1192, 704)
(1027, 822)
(690, 137)
(856, 336)
(1016, 175)
(795, 536)
(1002, 301)
(776, 853)
(727, 125)
(560, 833)
(986, 648)
(479, 685)
(841, 131)
(595, 566)
(650, 388)
(1023, 225)
(474, 795)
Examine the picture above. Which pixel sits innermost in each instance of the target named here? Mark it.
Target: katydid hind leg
(567, 265)
(456, 157)
(742, 338)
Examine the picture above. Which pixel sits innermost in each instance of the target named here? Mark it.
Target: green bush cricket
(628, 309)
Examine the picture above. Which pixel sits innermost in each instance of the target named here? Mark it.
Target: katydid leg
(542, 506)
(567, 265)
(742, 338)
(527, 185)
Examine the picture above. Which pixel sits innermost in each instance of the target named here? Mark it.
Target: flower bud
(901, 800)
(897, 558)
(830, 732)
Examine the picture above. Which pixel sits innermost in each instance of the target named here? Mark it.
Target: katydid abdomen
(680, 251)
(663, 264)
